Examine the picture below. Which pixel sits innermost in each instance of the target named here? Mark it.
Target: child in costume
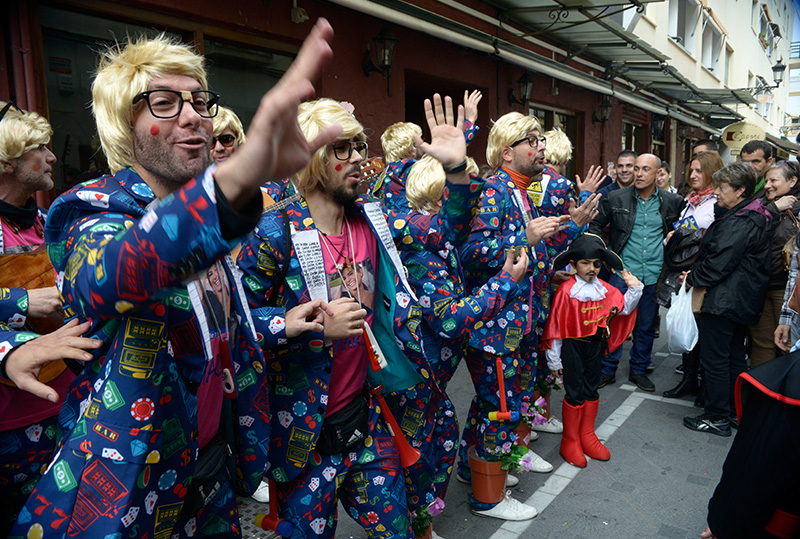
(579, 330)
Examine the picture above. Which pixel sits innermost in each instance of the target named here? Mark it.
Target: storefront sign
(740, 133)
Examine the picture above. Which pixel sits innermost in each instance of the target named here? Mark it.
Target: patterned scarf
(695, 198)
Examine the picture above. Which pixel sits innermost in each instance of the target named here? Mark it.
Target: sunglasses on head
(7, 107)
(226, 140)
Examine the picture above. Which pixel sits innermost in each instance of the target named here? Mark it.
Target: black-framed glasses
(226, 140)
(343, 149)
(7, 107)
(167, 104)
(532, 140)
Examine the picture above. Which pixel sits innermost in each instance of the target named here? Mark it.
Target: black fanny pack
(209, 475)
(344, 429)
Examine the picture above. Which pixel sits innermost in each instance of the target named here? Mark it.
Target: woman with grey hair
(732, 268)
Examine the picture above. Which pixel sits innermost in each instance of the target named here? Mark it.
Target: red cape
(573, 319)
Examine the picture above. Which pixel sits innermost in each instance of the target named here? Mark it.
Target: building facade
(614, 74)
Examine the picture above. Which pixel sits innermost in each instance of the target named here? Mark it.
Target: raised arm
(276, 146)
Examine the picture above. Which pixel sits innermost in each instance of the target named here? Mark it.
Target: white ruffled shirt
(593, 290)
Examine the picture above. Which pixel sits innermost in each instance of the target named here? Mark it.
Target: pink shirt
(350, 361)
(19, 408)
(28, 236)
(526, 204)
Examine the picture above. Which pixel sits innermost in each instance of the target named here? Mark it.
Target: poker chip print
(143, 409)
(167, 479)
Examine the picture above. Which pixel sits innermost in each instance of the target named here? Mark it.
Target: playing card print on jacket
(299, 371)
(499, 227)
(130, 444)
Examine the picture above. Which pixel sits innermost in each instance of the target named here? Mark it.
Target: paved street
(656, 485)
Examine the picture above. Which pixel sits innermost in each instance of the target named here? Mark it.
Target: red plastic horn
(408, 454)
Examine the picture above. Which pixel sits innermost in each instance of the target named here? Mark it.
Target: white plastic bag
(682, 331)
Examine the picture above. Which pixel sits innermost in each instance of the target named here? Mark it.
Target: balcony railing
(794, 51)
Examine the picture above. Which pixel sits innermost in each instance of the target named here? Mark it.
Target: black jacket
(619, 210)
(783, 230)
(733, 262)
(762, 471)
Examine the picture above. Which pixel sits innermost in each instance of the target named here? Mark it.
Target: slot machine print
(99, 495)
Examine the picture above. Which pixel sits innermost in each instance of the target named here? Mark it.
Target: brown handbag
(698, 296)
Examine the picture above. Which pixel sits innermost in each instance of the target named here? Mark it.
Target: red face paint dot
(154, 130)
(37, 167)
(530, 154)
(338, 168)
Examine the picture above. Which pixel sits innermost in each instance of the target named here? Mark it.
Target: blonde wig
(425, 184)
(398, 141)
(472, 167)
(313, 116)
(559, 148)
(508, 129)
(124, 72)
(227, 119)
(21, 132)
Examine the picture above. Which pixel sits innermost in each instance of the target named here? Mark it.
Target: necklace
(347, 265)
(328, 244)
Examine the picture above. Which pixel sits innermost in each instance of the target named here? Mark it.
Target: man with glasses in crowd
(28, 422)
(228, 134)
(328, 443)
(509, 221)
(145, 452)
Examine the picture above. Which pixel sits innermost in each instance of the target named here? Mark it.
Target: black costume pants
(582, 360)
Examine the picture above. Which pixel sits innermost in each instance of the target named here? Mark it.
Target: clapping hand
(543, 227)
(516, 263)
(583, 214)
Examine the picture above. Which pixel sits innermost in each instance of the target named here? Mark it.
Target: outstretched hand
(594, 178)
(447, 140)
(24, 362)
(276, 146)
(583, 214)
(471, 101)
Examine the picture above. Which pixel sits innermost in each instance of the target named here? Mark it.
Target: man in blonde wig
(28, 424)
(228, 135)
(328, 440)
(508, 221)
(145, 452)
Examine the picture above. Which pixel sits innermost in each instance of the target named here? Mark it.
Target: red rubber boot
(591, 445)
(570, 441)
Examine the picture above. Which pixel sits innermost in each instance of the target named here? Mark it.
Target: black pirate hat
(588, 246)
